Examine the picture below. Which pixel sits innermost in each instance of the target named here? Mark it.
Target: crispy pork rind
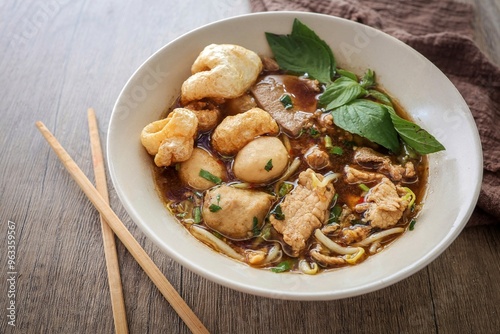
(207, 113)
(171, 139)
(221, 71)
(234, 132)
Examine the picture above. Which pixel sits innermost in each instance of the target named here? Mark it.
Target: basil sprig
(413, 135)
(303, 52)
(355, 106)
(370, 120)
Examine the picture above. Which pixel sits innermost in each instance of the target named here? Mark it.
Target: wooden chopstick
(108, 237)
(149, 267)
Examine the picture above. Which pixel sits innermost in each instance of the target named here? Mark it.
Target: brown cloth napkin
(441, 31)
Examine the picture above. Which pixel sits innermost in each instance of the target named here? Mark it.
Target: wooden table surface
(60, 57)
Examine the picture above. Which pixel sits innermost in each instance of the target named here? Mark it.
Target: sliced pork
(304, 209)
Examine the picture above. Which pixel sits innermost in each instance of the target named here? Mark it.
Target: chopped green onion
(328, 142)
(412, 225)
(255, 226)
(197, 215)
(335, 213)
(313, 132)
(281, 267)
(332, 149)
(214, 208)
(278, 214)
(269, 165)
(411, 197)
(336, 150)
(285, 188)
(266, 232)
(209, 176)
(286, 101)
(363, 187)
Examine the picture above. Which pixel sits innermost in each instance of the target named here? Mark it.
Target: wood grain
(123, 234)
(81, 54)
(108, 237)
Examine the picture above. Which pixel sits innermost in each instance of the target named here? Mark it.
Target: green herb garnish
(412, 225)
(281, 267)
(269, 165)
(347, 74)
(302, 52)
(313, 132)
(380, 97)
(370, 120)
(342, 91)
(286, 101)
(285, 188)
(278, 214)
(215, 207)
(363, 187)
(368, 79)
(209, 176)
(413, 135)
(197, 215)
(336, 150)
(331, 148)
(335, 213)
(255, 226)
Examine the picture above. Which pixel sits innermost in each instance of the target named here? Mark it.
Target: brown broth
(173, 191)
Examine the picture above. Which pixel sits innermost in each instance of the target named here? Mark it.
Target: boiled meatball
(235, 213)
(261, 160)
(189, 171)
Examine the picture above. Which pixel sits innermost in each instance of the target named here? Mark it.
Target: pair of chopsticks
(111, 223)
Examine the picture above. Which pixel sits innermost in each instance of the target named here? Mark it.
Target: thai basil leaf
(301, 55)
(368, 79)
(347, 74)
(379, 96)
(368, 119)
(341, 91)
(300, 29)
(414, 136)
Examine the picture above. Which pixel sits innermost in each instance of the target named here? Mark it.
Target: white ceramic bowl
(422, 89)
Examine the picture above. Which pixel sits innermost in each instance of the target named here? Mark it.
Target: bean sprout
(333, 246)
(327, 179)
(210, 239)
(308, 268)
(377, 236)
(274, 254)
(374, 247)
(291, 169)
(410, 196)
(286, 142)
(241, 185)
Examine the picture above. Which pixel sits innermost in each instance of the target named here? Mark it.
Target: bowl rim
(295, 295)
